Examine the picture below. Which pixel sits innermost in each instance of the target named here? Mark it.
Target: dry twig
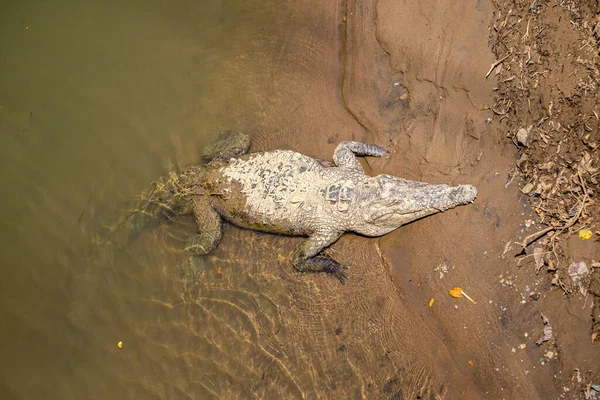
(568, 224)
(496, 63)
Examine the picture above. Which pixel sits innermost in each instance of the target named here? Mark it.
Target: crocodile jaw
(401, 201)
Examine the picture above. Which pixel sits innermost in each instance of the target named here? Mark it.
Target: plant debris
(545, 99)
(594, 290)
(538, 256)
(458, 292)
(547, 331)
(442, 269)
(580, 276)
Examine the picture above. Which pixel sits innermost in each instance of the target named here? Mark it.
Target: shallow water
(97, 99)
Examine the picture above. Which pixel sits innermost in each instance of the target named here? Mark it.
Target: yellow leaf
(585, 234)
(527, 188)
(458, 292)
(430, 302)
(120, 345)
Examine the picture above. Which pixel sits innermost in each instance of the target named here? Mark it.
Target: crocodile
(286, 192)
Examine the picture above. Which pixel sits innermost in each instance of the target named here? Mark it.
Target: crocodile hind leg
(307, 260)
(209, 228)
(229, 144)
(346, 152)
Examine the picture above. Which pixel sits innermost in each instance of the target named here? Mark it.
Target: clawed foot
(324, 264)
(337, 271)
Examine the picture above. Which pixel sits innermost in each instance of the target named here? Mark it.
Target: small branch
(496, 63)
(526, 35)
(534, 236)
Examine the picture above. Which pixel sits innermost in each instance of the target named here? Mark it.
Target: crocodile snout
(466, 193)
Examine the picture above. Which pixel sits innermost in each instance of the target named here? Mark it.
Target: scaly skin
(285, 192)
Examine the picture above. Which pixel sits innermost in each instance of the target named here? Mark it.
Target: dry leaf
(579, 274)
(547, 331)
(522, 136)
(546, 166)
(586, 164)
(539, 259)
(527, 188)
(458, 292)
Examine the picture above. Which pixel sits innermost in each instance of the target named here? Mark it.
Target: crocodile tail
(167, 198)
(172, 195)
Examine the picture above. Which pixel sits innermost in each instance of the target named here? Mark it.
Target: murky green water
(97, 99)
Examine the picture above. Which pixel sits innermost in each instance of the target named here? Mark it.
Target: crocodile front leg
(346, 152)
(306, 259)
(229, 144)
(209, 228)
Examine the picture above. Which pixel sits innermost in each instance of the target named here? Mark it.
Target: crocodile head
(388, 202)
